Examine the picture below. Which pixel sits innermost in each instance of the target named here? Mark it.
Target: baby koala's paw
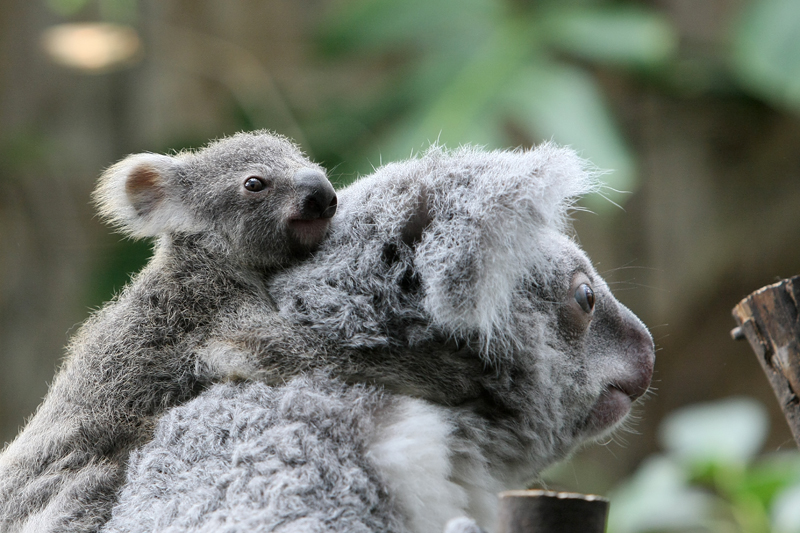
(463, 524)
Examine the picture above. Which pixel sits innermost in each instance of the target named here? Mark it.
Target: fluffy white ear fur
(136, 195)
(499, 233)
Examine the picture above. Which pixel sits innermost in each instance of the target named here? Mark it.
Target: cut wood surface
(540, 511)
(768, 319)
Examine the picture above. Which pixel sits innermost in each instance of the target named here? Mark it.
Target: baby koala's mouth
(309, 232)
(313, 217)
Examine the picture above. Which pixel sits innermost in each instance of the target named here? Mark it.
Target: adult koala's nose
(638, 353)
(316, 194)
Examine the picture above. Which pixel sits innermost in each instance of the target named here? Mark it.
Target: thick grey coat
(249, 457)
(225, 218)
(458, 341)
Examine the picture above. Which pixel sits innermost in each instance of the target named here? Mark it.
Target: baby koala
(224, 219)
(464, 342)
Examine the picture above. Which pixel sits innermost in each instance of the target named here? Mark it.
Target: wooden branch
(768, 319)
(540, 511)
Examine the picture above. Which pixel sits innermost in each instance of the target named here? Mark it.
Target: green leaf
(626, 36)
(766, 50)
(657, 498)
(730, 431)
(770, 475)
(563, 103)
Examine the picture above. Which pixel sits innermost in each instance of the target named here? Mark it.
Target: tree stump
(768, 319)
(541, 511)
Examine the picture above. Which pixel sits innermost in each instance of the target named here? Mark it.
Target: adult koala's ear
(491, 214)
(139, 195)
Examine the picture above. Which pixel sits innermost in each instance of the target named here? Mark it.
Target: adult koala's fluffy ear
(486, 209)
(140, 195)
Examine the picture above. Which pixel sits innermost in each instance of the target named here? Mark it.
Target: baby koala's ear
(139, 195)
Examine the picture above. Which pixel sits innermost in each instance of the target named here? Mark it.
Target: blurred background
(693, 107)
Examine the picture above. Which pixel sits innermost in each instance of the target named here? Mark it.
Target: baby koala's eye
(255, 184)
(584, 295)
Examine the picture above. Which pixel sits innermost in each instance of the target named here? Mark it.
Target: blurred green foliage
(507, 73)
(108, 10)
(501, 73)
(710, 477)
(766, 50)
(67, 8)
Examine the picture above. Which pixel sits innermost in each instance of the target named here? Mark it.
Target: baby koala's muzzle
(317, 198)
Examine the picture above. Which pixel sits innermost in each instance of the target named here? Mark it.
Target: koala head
(467, 255)
(253, 198)
(575, 360)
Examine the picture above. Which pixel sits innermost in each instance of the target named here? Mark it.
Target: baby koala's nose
(316, 194)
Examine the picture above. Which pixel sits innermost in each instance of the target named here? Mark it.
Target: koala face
(577, 361)
(253, 198)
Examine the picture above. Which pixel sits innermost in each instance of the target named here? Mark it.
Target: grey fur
(263, 458)
(249, 457)
(448, 298)
(217, 243)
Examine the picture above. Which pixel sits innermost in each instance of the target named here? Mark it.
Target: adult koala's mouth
(615, 403)
(627, 375)
(611, 407)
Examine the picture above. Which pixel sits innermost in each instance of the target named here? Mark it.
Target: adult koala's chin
(452, 341)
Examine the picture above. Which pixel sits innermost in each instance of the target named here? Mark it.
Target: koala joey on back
(224, 218)
(469, 343)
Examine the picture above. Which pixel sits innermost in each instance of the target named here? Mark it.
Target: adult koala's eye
(584, 295)
(255, 184)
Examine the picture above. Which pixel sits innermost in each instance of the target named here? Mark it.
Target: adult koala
(457, 341)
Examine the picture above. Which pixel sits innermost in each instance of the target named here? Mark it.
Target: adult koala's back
(461, 323)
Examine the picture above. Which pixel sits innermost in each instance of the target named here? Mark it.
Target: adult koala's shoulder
(479, 343)
(224, 218)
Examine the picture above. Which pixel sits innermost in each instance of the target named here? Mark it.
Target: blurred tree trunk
(56, 134)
